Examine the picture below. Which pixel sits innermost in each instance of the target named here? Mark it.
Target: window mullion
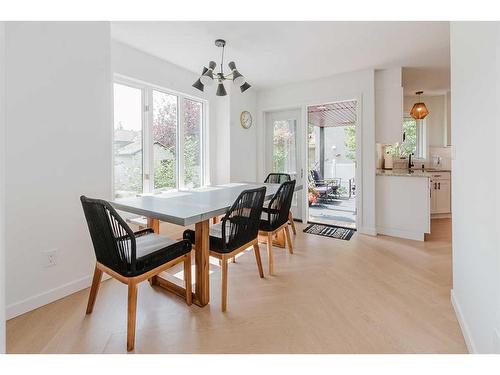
(180, 144)
(149, 132)
(145, 143)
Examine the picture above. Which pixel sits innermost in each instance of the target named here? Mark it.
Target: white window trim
(147, 134)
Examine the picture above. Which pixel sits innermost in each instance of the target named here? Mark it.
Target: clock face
(246, 119)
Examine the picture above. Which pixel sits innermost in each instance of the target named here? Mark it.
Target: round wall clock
(246, 119)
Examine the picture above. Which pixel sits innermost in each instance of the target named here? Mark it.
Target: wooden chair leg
(292, 223)
(289, 239)
(131, 313)
(224, 284)
(153, 280)
(259, 261)
(187, 279)
(270, 252)
(96, 282)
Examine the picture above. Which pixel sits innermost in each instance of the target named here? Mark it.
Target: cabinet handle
(439, 185)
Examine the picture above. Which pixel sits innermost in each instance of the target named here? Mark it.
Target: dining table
(192, 207)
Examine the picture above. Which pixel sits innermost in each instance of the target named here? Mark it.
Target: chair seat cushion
(215, 239)
(150, 243)
(216, 230)
(153, 250)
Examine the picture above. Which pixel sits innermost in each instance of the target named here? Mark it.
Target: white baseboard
(367, 230)
(463, 325)
(417, 236)
(39, 300)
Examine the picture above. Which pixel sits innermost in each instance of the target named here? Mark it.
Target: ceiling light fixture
(419, 110)
(207, 76)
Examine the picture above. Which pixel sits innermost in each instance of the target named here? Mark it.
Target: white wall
(58, 115)
(388, 105)
(243, 142)
(132, 63)
(355, 85)
(2, 186)
(475, 85)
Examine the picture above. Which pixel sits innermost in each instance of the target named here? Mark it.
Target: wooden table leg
(201, 296)
(202, 289)
(154, 224)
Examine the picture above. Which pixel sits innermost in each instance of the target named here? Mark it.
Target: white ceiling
(275, 53)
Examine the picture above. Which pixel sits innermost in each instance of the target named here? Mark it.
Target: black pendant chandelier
(208, 76)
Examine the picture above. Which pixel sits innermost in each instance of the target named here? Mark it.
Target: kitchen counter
(403, 172)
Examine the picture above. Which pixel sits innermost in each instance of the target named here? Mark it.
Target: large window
(158, 140)
(414, 135)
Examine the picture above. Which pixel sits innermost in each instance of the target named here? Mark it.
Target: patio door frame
(359, 155)
(302, 128)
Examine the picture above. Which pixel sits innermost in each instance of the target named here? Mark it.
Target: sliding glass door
(158, 140)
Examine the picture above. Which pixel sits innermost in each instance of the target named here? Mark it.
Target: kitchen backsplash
(439, 158)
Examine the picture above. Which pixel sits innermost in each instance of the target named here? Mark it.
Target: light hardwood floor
(366, 295)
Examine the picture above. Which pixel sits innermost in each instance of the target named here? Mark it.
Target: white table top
(190, 206)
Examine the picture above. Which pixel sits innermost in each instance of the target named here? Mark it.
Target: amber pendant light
(419, 110)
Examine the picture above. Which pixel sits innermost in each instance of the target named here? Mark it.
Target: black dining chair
(275, 219)
(279, 178)
(236, 232)
(130, 257)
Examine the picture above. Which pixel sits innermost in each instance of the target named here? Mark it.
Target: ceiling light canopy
(208, 77)
(419, 110)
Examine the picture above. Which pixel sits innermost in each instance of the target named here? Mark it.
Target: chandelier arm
(222, 62)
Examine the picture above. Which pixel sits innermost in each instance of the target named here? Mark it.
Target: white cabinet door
(443, 201)
(433, 197)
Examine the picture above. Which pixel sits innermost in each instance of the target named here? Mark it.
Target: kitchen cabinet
(441, 193)
(403, 205)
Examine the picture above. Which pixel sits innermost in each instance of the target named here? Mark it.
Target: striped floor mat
(330, 231)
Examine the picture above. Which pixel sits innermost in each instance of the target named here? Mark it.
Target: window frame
(147, 135)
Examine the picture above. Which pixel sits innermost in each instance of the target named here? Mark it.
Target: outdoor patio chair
(327, 188)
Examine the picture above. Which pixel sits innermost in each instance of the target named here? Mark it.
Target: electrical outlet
(50, 258)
